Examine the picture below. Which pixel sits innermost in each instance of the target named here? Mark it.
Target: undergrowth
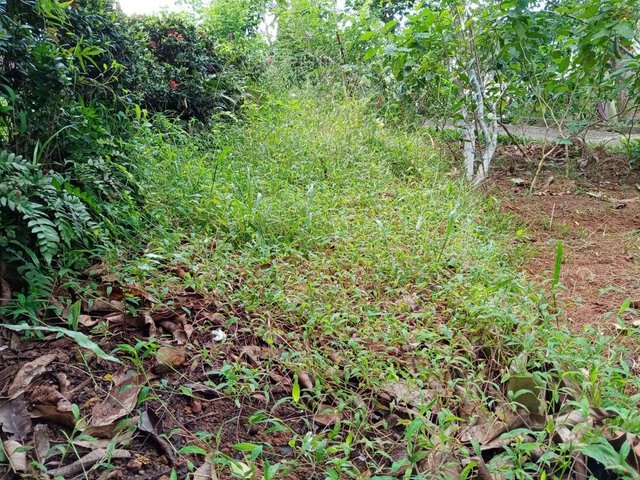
(364, 260)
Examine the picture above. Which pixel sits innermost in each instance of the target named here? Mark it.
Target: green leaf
(74, 314)
(245, 446)
(625, 30)
(563, 64)
(80, 338)
(295, 390)
(602, 452)
(192, 449)
(366, 36)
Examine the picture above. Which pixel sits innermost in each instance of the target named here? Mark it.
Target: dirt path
(553, 134)
(597, 216)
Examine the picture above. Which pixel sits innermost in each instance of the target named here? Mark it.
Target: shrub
(76, 81)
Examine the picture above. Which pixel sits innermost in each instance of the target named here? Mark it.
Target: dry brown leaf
(120, 401)
(14, 417)
(49, 395)
(206, 471)
(41, 442)
(28, 373)
(327, 415)
(51, 413)
(17, 459)
(169, 358)
(150, 423)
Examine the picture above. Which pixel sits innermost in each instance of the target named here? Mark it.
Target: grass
(375, 283)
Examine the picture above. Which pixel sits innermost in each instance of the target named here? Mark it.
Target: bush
(188, 75)
(76, 83)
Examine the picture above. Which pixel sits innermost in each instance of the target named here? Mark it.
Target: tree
(449, 50)
(234, 19)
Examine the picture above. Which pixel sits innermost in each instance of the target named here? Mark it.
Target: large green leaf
(80, 338)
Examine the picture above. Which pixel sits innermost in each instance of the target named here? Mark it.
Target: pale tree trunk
(478, 125)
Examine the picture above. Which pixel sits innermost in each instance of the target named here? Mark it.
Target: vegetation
(268, 266)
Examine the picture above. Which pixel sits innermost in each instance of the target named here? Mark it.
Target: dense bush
(77, 81)
(187, 75)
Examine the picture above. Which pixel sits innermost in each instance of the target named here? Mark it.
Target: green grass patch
(385, 288)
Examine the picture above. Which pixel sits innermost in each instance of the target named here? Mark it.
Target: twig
(513, 139)
(535, 177)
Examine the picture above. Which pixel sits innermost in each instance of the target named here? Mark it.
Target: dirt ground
(595, 211)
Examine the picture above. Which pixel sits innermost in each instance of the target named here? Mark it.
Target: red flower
(269, 60)
(174, 33)
(153, 44)
(173, 84)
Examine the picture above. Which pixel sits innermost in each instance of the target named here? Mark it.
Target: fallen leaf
(17, 459)
(49, 395)
(206, 471)
(88, 461)
(305, 380)
(87, 321)
(169, 358)
(326, 415)
(120, 401)
(150, 423)
(41, 442)
(28, 373)
(15, 418)
(51, 413)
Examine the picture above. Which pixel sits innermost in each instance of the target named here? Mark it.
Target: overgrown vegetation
(270, 269)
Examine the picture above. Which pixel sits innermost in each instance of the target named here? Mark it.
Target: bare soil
(594, 211)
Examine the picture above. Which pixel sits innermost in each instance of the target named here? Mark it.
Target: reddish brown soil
(596, 214)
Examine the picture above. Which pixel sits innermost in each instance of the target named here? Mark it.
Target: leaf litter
(115, 424)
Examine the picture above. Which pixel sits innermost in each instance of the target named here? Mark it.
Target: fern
(39, 213)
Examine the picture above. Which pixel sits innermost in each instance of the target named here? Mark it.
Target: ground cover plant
(282, 273)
